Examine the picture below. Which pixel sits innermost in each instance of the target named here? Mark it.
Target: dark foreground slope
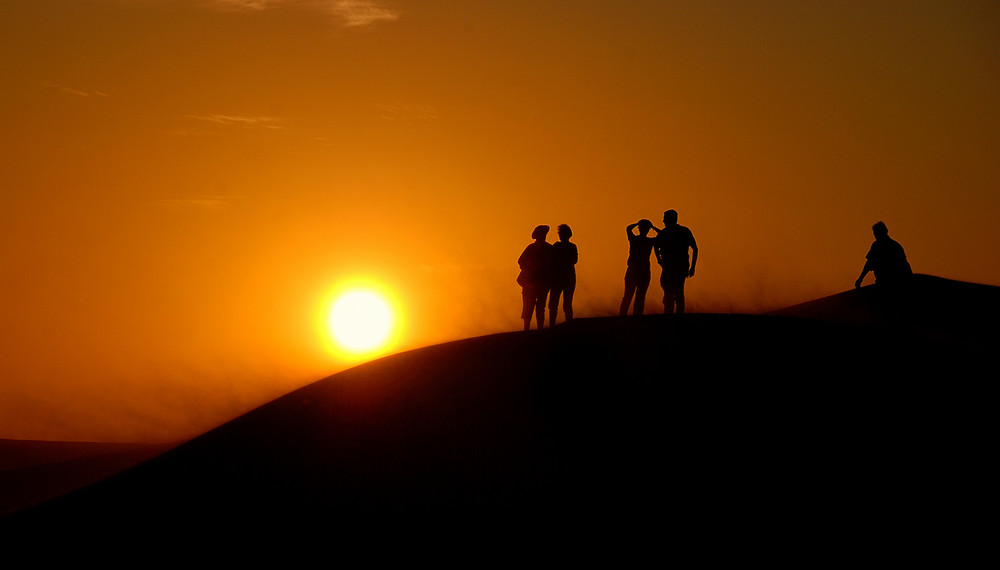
(32, 472)
(725, 434)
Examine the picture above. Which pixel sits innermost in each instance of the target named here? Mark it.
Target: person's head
(540, 232)
(644, 226)
(670, 217)
(880, 230)
(564, 232)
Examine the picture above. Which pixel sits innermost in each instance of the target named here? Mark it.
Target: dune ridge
(32, 472)
(830, 425)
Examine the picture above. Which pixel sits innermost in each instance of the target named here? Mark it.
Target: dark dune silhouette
(928, 305)
(32, 472)
(826, 432)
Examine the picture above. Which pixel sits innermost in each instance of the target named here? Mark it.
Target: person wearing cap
(535, 275)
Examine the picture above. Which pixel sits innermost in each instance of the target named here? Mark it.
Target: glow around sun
(362, 320)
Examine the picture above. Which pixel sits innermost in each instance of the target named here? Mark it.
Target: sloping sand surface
(32, 472)
(727, 433)
(930, 306)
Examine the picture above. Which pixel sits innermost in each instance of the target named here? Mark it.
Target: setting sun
(361, 321)
(213, 176)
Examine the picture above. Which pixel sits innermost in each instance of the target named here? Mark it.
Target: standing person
(564, 258)
(886, 259)
(671, 249)
(534, 276)
(637, 267)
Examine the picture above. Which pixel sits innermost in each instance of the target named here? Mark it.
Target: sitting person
(885, 259)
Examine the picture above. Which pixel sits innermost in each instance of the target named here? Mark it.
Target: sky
(185, 183)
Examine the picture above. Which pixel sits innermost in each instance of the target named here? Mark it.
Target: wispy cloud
(412, 115)
(350, 13)
(252, 122)
(73, 91)
(209, 203)
(242, 4)
(359, 13)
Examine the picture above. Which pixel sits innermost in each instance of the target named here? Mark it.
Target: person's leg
(640, 297)
(629, 292)
(680, 294)
(671, 281)
(540, 308)
(527, 307)
(568, 300)
(665, 285)
(554, 304)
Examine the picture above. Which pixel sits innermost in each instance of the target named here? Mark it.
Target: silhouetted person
(637, 267)
(535, 264)
(886, 259)
(564, 258)
(671, 248)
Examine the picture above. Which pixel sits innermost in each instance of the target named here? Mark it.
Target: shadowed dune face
(928, 305)
(690, 424)
(32, 472)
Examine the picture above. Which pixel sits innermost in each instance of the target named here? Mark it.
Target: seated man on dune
(886, 259)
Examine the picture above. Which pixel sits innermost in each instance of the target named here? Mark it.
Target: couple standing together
(548, 270)
(671, 248)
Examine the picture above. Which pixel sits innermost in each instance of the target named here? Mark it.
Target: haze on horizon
(185, 181)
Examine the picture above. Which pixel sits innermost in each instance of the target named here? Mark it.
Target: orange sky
(185, 181)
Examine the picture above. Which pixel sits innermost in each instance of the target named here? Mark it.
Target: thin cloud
(350, 13)
(209, 203)
(241, 4)
(360, 13)
(73, 91)
(253, 122)
(411, 115)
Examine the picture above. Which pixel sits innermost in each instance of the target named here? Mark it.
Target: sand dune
(930, 306)
(828, 427)
(32, 472)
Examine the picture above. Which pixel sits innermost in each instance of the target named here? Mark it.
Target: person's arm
(864, 272)
(630, 227)
(869, 265)
(694, 257)
(523, 258)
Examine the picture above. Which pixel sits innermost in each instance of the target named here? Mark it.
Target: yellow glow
(210, 210)
(362, 321)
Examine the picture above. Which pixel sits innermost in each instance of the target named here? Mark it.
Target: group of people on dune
(670, 246)
(548, 270)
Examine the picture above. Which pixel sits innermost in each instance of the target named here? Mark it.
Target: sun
(361, 321)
